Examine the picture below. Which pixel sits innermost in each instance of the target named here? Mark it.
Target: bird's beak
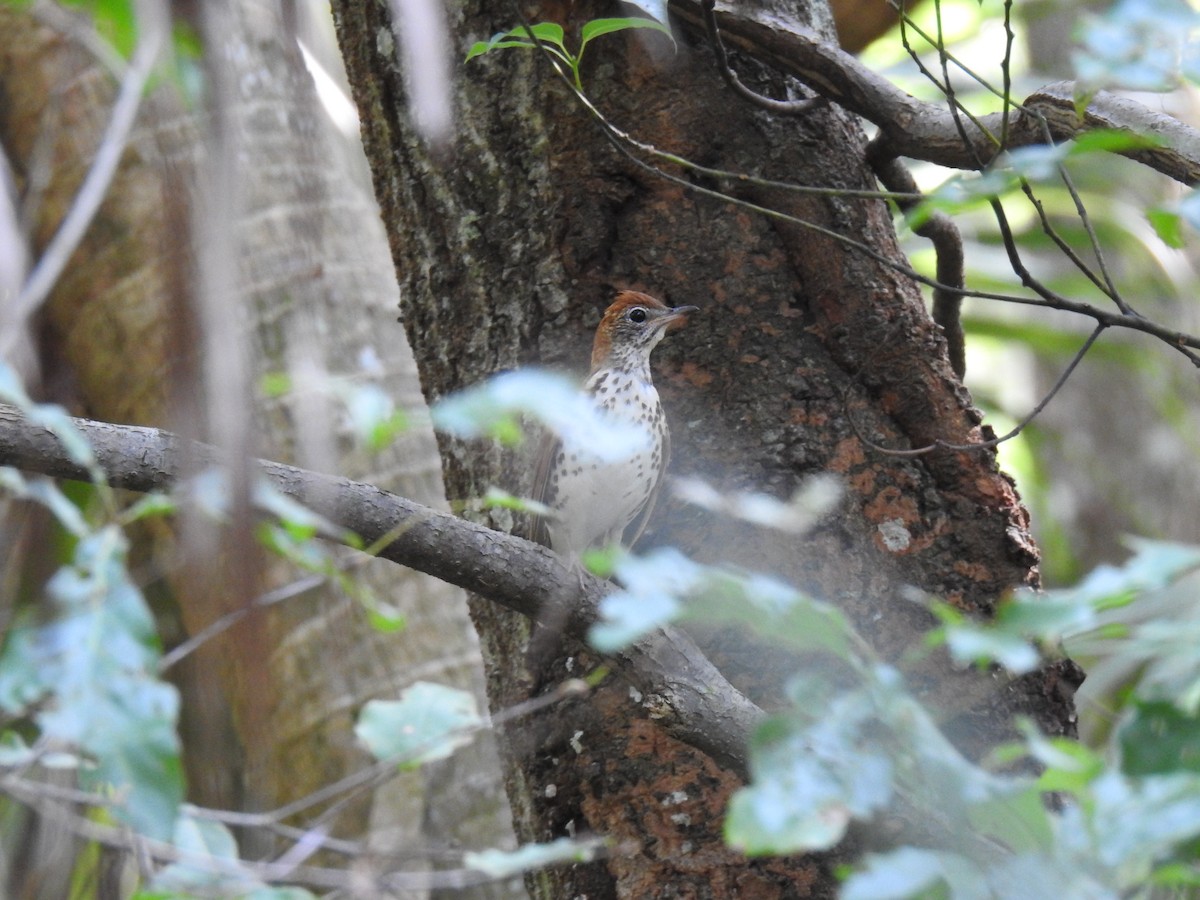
(676, 317)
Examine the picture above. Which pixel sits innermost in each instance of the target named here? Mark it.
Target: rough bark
(507, 244)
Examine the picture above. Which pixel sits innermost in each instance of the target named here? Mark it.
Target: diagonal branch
(927, 131)
(683, 691)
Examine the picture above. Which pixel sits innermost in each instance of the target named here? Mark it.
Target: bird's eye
(637, 314)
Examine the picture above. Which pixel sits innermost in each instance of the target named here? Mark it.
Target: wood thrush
(597, 499)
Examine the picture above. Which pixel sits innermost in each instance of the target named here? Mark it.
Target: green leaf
(116, 21)
(974, 644)
(493, 409)
(373, 415)
(91, 674)
(1111, 140)
(653, 585)
(770, 608)
(495, 498)
(299, 521)
(211, 864)
(811, 778)
(276, 384)
(428, 722)
(1017, 820)
(548, 32)
(383, 617)
(1070, 766)
(150, 506)
(597, 27)
(915, 872)
(503, 863)
(1167, 225)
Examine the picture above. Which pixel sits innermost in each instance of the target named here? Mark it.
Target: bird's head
(632, 326)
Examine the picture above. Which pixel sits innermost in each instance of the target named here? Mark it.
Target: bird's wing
(539, 530)
(634, 529)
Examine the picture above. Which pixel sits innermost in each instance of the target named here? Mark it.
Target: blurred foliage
(847, 748)
(79, 664)
(1126, 224)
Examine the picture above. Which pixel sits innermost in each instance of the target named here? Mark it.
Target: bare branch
(686, 693)
(779, 107)
(928, 131)
(941, 231)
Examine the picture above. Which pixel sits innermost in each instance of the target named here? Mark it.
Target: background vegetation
(215, 687)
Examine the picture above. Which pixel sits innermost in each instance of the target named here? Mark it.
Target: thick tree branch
(926, 130)
(681, 689)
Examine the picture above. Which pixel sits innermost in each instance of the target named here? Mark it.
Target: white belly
(594, 498)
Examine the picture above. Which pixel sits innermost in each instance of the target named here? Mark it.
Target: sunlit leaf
(495, 498)
(549, 32)
(493, 409)
(503, 863)
(47, 493)
(772, 609)
(1167, 225)
(597, 27)
(55, 419)
(15, 753)
(914, 872)
(300, 521)
(810, 779)
(1110, 140)
(150, 506)
(383, 617)
(211, 863)
(276, 384)
(1143, 818)
(1069, 766)
(625, 618)
(90, 676)
(653, 586)
(374, 418)
(1018, 820)
(970, 644)
(428, 722)
(812, 500)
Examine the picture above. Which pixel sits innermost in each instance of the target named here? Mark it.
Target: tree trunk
(508, 243)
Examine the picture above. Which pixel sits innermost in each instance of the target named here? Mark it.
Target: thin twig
(993, 442)
(210, 631)
(779, 107)
(622, 141)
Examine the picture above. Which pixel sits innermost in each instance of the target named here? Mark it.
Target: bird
(595, 501)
